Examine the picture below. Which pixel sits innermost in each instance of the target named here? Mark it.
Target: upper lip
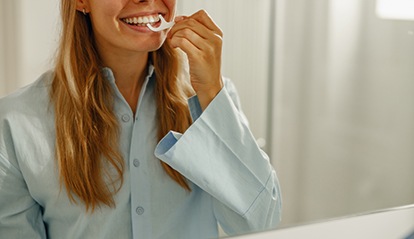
(143, 14)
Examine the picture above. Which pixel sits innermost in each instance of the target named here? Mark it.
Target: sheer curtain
(343, 111)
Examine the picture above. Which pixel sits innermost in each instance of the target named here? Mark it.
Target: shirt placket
(140, 179)
(140, 191)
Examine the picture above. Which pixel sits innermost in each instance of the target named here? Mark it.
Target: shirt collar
(109, 75)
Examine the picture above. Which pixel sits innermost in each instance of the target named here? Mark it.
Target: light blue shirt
(232, 182)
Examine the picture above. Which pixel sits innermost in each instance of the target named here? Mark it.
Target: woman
(116, 143)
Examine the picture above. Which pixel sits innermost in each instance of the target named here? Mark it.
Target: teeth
(142, 20)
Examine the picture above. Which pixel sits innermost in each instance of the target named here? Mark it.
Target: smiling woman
(118, 140)
(338, 124)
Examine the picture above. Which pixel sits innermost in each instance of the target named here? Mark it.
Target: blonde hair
(90, 163)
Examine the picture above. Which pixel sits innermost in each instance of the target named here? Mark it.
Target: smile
(142, 20)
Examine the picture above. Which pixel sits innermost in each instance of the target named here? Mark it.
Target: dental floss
(164, 25)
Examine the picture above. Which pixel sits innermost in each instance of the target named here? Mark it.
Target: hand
(201, 39)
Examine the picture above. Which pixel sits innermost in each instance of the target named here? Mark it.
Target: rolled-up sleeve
(219, 154)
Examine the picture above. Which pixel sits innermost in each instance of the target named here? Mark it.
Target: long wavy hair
(90, 163)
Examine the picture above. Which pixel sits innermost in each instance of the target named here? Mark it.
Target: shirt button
(136, 163)
(125, 118)
(140, 210)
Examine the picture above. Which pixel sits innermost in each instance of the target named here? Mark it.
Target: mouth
(141, 21)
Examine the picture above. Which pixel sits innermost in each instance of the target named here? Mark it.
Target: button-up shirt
(232, 182)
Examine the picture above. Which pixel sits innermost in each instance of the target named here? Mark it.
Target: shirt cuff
(195, 107)
(219, 150)
(172, 137)
(167, 143)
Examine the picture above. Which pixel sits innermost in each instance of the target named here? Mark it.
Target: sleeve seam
(258, 195)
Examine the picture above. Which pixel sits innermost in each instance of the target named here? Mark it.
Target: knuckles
(187, 33)
(186, 38)
(203, 16)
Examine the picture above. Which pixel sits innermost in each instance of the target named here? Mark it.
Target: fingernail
(179, 18)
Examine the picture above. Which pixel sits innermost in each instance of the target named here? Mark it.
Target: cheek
(104, 16)
(171, 5)
(104, 10)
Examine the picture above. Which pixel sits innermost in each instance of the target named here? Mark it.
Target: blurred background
(327, 85)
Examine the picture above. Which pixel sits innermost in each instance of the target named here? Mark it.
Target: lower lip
(143, 29)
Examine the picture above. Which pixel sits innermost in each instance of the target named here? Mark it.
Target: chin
(153, 46)
(156, 47)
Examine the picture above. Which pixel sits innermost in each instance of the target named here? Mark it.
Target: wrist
(206, 94)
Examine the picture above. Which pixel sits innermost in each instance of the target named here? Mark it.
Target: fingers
(204, 19)
(200, 22)
(201, 39)
(195, 33)
(190, 24)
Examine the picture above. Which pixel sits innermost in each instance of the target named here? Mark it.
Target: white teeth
(142, 20)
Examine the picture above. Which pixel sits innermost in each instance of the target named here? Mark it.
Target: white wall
(28, 40)
(39, 22)
(9, 40)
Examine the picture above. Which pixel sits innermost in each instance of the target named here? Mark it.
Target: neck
(130, 70)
